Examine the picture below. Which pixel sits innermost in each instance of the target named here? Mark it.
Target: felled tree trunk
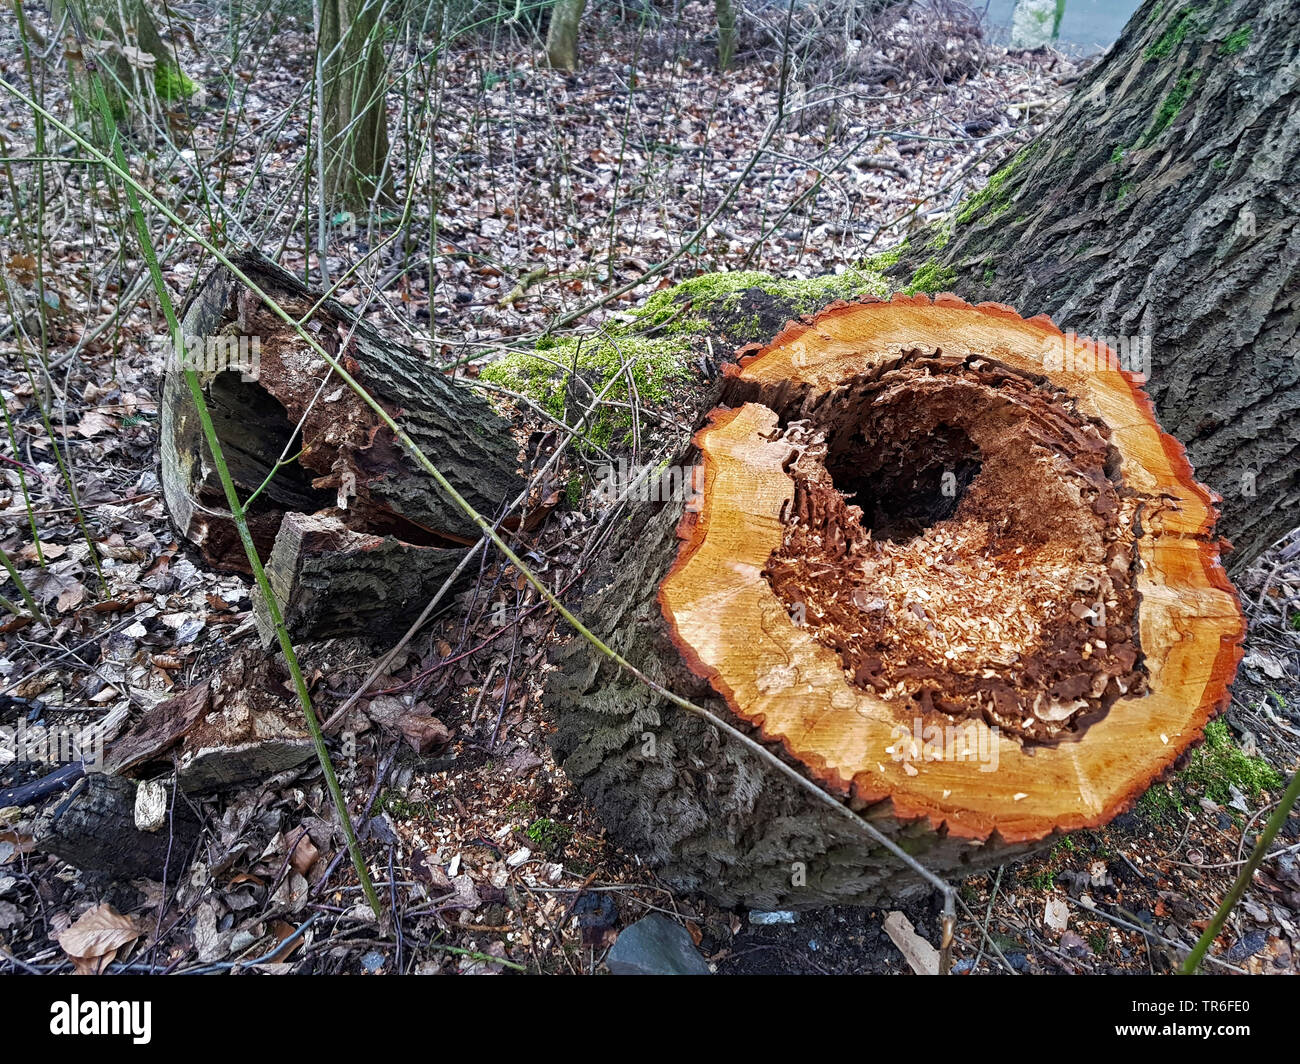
(1158, 212)
(94, 828)
(946, 564)
(354, 535)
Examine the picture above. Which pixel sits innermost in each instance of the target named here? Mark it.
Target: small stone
(655, 945)
(1247, 946)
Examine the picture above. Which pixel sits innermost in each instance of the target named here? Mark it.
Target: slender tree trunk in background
(1160, 211)
(130, 57)
(562, 36)
(726, 11)
(355, 120)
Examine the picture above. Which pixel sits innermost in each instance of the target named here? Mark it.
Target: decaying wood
(1159, 210)
(241, 725)
(395, 535)
(93, 828)
(944, 562)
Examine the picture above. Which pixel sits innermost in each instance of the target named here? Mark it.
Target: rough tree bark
(906, 520)
(354, 535)
(562, 34)
(93, 828)
(1160, 211)
(127, 48)
(354, 117)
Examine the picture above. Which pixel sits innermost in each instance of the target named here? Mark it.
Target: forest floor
(549, 191)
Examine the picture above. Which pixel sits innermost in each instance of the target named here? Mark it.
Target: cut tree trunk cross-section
(945, 562)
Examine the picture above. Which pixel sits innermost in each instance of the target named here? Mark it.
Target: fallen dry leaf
(94, 940)
(424, 732)
(304, 854)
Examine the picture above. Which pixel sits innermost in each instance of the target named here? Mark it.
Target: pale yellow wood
(777, 676)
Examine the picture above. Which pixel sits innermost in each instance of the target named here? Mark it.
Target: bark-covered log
(242, 724)
(945, 563)
(93, 828)
(369, 536)
(1159, 211)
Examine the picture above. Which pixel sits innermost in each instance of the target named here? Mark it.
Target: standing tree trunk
(562, 35)
(1159, 212)
(131, 56)
(726, 12)
(940, 559)
(1036, 23)
(354, 117)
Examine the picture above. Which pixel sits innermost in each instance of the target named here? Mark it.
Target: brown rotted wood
(1159, 210)
(398, 534)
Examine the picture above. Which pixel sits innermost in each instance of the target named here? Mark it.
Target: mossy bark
(131, 56)
(1158, 213)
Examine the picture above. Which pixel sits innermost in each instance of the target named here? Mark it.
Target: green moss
(1117, 156)
(1183, 26)
(676, 318)
(995, 194)
(549, 835)
(400, 808)
(655, 364)
(1219, 764)
(1162, 802)
(1182, 91)
(1124, 190)
(1098, 942)
(171, 84)
(1219, 164)
(1236, 42)
(989, 275)
(942, 234)
(713, 292)
(882, 260)
(1041, 875)
(1215, 767)
(931, 277)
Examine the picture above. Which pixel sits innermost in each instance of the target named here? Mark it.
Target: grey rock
(1247, 946)
(655, 945)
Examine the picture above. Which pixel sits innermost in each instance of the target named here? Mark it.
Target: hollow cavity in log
(354, 534)
(962, 538)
